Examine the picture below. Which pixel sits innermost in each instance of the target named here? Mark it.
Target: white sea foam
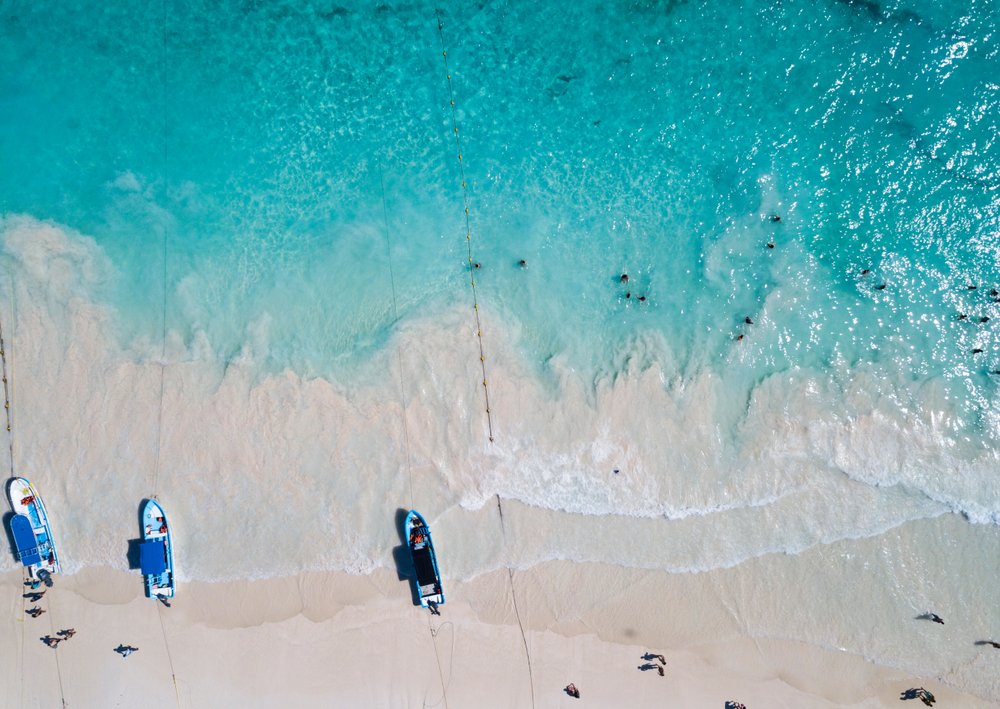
(266, 475)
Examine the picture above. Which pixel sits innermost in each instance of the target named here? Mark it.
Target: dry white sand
(333, 639)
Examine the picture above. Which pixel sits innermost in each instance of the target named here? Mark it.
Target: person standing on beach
(572, 691)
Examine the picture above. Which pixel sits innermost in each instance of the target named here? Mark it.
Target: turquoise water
(249, 172)
(653, 139)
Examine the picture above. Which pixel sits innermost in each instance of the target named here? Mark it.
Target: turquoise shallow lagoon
(262, 203)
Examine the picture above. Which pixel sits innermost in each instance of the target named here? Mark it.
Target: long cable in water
(468, 226)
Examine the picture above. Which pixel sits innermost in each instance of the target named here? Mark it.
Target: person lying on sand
(126, 650)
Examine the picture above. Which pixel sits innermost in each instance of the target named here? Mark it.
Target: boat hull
(418, 536)
(156, 554)
(32, 532)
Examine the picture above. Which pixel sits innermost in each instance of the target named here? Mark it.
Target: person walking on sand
(572, 691)
(34, 612)
(67, 633)
(935, 617)
(52, 642)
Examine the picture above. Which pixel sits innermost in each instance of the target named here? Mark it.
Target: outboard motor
(45, 577)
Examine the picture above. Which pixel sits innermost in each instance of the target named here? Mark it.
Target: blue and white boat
(418, 536)
(156, 554)
(29, 526)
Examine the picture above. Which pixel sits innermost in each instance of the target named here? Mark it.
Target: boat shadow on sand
(132, 552)
(11, 547)
(402, 558)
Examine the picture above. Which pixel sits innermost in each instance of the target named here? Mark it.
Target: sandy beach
(335, 639)
(677, 322)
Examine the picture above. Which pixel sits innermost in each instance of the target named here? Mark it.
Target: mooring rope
(406, 443)
(468, 226)
(170, 659)
(163, 227)
(517, 613)
(163, 329)
(24, 631)
(437, 657)
(8, 387)
(55, 650)
(399, 348)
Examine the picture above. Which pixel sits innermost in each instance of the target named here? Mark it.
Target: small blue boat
(29, 526)
(418, 536)
(156, 554)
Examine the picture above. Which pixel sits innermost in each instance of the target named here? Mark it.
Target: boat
(30, 529)
(156, 554)
(418, 536)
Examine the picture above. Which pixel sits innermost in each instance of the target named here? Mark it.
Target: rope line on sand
(24, 631)
(170, 659)
(468, 226)
(451, 661)
(395, 319)
(517, 612)
(55, 650)
(8, 388)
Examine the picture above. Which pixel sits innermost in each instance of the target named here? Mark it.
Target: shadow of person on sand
(651, 666)
(403, 559)
(994, 643)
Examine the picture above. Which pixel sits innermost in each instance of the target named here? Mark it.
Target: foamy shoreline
(358, 641)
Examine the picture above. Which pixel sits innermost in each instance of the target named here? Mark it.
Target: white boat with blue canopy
(30, 529)
(418, 536)
(156, 554)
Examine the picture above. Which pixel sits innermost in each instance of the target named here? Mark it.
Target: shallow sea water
(264, 202)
